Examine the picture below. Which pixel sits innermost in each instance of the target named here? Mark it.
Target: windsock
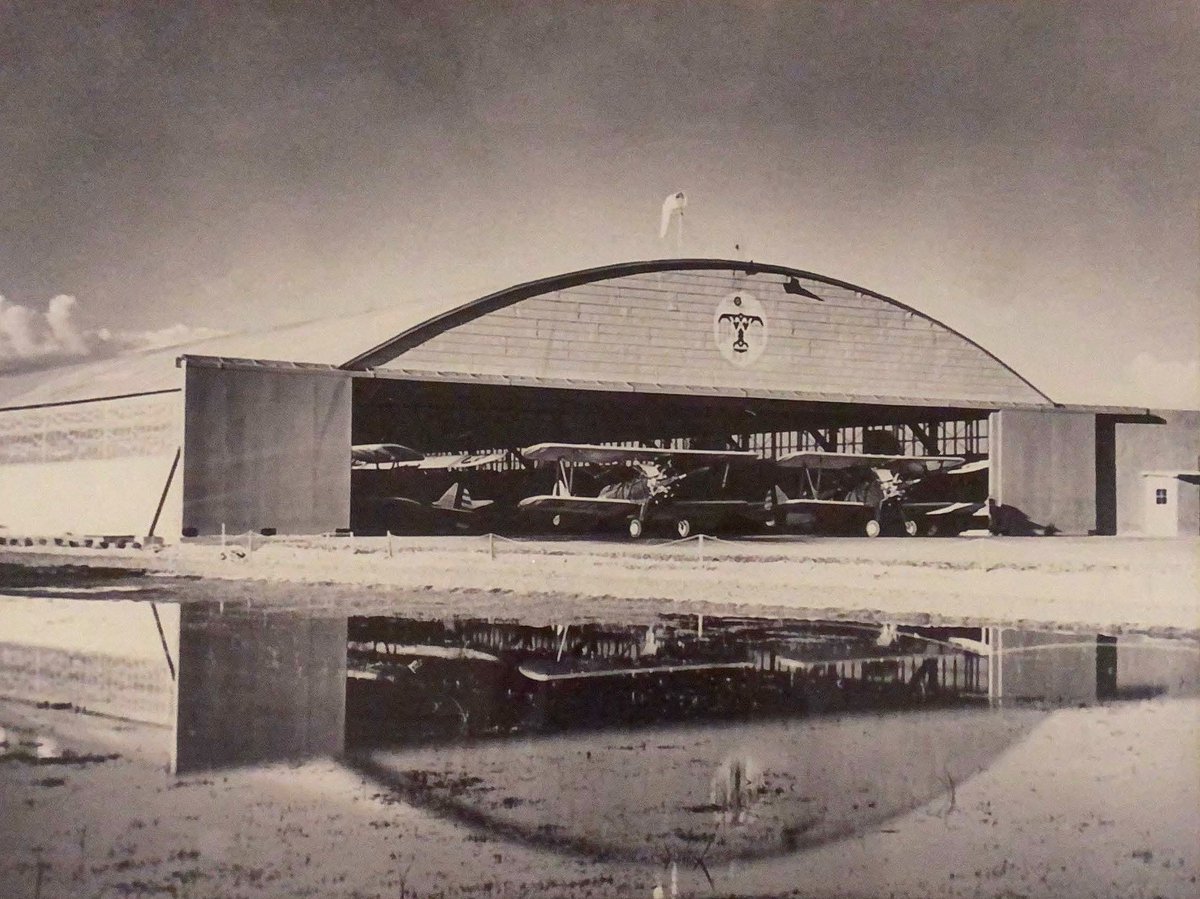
(671, 205)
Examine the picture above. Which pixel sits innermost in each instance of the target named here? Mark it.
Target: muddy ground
(1101, 801)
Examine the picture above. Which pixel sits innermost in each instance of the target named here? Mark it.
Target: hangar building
(253, 431)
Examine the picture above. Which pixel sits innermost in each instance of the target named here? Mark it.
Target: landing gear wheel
(911, 528)
(873, 528)
(683, 528)
(635, 528)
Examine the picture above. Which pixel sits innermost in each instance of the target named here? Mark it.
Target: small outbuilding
(1171, 503)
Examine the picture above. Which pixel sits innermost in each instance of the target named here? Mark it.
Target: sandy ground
(1114, 585)
(1101, 801)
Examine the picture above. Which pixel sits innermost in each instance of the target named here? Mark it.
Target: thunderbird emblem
(740, 329)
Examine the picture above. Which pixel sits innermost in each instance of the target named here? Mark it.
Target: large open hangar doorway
(451, 417)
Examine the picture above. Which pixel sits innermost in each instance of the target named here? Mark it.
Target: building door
(1161, 506)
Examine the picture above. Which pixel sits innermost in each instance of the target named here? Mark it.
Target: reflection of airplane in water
(864, 492)
(648, 486)
(410, 678)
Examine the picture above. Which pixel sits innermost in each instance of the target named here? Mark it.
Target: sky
(1025, 172)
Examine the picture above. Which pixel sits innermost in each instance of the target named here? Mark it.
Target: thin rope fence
(241, 545)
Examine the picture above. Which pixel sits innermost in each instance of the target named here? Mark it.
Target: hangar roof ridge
(440, 323)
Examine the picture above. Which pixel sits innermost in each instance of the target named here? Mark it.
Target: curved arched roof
(639, 324)
(654, 324)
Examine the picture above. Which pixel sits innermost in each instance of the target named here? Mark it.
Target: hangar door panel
(1044, 470)
(266, 449)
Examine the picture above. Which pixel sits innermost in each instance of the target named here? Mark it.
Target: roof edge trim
(92, 399)
(439, 324)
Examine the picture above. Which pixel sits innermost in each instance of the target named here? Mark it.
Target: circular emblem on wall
(740, 328)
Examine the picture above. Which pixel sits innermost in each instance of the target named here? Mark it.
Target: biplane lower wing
(585, 506)
(815, 504)
(835, 515)
(965, 509)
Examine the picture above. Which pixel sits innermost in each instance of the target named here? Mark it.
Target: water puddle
(685, 743)
(707, 739)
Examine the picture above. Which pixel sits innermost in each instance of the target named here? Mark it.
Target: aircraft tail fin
(451, 499)
(458, 499)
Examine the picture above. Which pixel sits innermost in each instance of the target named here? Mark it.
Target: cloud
(35, 339)
(31, 340)
(58, 318)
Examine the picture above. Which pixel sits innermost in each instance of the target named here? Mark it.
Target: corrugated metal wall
(266, 449)
(1044, 470)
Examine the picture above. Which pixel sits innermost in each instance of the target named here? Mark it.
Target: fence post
(249, 542)
(389, 544)
(222, 535)
(492, 545)
(700, 546)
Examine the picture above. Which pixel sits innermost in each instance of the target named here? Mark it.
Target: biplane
(967, 511)
(642, 486)
(454, 509)
(861, 492)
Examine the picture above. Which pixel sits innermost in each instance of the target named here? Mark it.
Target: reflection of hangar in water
(253, 431)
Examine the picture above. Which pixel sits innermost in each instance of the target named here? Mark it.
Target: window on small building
(1160, 496)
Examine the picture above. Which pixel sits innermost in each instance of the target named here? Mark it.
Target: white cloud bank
(31, 339)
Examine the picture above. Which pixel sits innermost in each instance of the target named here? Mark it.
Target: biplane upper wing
(910, 466)
(602, 455)
(970, 467)
(458, 461)
(384, 454)
(588, 506)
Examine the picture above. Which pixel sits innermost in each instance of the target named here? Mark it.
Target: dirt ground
(1110, 584)
(1101, 801)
